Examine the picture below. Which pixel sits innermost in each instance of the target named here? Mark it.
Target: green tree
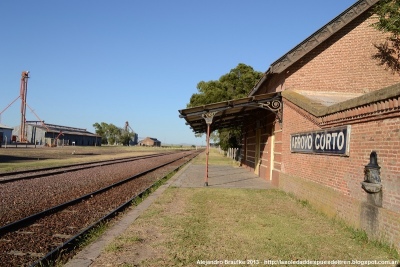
(114, 134)
(126, 137)
(388, 53)
(231, 137)
(101, 129)
(237, 83)
(111, 134)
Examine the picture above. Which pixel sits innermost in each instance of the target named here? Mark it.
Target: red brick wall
(333, 183)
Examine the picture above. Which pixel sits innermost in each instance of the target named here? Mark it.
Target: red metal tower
(22, 95)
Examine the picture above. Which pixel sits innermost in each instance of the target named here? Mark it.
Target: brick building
(337, 106)
(149, 141)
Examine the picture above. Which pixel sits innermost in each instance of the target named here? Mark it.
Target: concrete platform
(192, 175)
(221, 176)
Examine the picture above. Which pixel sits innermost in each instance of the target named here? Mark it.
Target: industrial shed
(5, 134)
(149, 141)
(56, 135)
(333, 136)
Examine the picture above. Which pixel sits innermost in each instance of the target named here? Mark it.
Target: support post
(207, 155)
(208, 117)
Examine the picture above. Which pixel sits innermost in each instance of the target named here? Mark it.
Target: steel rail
(80, 166)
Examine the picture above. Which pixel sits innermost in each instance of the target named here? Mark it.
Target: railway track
(43, 172)
(40, 237)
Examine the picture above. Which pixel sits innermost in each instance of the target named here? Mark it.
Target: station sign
(329, 141)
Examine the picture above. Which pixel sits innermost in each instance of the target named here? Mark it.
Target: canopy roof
(231, 113)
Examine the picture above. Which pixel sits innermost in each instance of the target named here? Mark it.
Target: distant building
(57, 135)
(5, 134)
(148, 141)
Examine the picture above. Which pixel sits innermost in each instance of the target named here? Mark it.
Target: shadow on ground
(14, 159)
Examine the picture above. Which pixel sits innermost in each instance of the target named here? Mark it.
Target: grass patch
(240, 224)
(362, 237)
(357, 235)
(114, 247)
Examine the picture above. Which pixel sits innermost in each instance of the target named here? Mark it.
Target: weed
(113, 247)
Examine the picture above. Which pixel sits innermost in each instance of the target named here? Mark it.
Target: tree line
(113, 135)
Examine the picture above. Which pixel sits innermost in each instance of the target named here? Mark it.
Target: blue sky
(139, 61)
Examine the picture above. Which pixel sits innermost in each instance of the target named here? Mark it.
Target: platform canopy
(231, 113)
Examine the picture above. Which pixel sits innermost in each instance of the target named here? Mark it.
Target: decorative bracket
(208, 117)
(275, 106)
